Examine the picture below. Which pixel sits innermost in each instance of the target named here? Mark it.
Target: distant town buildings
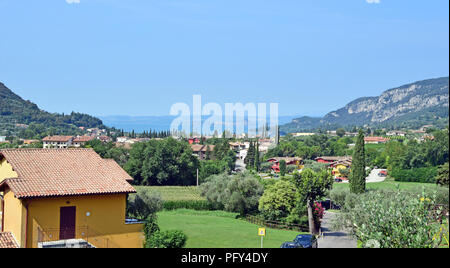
(59, 142)
(81, 141)
(375, 140)
(396, 133)
(201, 151)
(302, 134)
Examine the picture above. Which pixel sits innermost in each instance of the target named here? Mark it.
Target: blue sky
(138, 57)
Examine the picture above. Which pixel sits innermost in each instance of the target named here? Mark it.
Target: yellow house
(340, 165)
(61, 197)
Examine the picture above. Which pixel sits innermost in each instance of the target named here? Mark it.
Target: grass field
(218, 229)
(391, 184)
(174, 193)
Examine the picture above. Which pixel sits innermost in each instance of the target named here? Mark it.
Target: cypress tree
(257, 163)
(250, 159)
(283, 168)
(358, 174)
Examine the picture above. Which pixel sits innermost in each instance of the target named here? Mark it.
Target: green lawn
(218, 229)
(391, 184)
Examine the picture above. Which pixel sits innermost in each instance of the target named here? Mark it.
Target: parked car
(337, 180)
(382, 173)
(302, 241)
(291, 245)
(306, 241)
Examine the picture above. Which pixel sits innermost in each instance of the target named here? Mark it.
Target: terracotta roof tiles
(63, 172)
(7, 240)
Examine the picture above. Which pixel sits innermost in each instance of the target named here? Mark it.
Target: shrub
(391, 219)
(291, 168)
(337, 196)
(144, 204)
(188, 204)
(236, 193)
(266, 167)
(424, 175)
(278, 200)
(167, 239)
(315, 166)
(442, 178)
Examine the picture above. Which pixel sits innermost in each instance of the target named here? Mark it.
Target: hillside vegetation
(17, 113)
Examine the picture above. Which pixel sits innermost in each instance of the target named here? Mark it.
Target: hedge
(188, 204)
(424, 175)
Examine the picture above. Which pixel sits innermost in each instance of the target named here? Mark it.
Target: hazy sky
(138, 57)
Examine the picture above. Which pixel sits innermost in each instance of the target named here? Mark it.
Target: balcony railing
(85, 233)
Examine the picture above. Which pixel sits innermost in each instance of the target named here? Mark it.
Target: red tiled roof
(202, 148)
(334, 158)
(83, 139)
(57, 138)
(380, 139)
(7, 240)
(63, 172)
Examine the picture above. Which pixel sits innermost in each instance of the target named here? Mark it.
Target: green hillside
(17, 113)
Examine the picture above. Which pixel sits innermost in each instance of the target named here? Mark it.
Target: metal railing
(85, 233)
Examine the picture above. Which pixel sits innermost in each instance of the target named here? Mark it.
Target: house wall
(105, 225)
(6, 170)
(337, 168)
(14, 214)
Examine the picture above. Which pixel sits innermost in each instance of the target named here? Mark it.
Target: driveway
(331, 239)
(373, 177)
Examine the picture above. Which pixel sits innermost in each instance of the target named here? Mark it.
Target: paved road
(373, 177)
(333, 239)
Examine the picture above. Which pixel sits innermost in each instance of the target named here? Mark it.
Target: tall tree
(283, 168)
(257, 162)
(311, 187)
(358, 174)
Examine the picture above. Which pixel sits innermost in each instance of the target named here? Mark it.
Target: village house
(396, 133)
(340, 165)
(2, 138)
(81, 141)
(237, 146)
(201, 150)
(375, 140)
(59, 142)
(29, 142)
(123, 139)
(105, 139)
(332, 159)
(52, 197)
(194, 140)
(289, 161)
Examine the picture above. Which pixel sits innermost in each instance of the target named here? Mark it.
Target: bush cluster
(188, 204)
(424, 174)
(391, 219)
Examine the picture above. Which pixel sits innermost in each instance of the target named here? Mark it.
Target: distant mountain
(408, 106)
(16, 112)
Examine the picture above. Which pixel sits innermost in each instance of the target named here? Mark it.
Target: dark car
(306, 241)
(291, 245)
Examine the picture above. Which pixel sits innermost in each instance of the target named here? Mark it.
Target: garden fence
(276, 224)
